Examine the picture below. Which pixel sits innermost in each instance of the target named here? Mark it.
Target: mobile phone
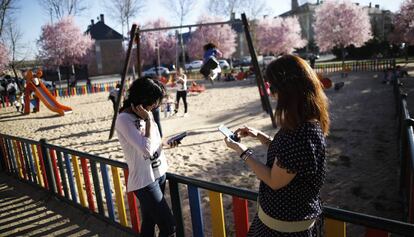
(177, 138)
(228, 133)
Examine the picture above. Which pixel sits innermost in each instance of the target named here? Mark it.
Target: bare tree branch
(224, 7)
(255, 9)
(57, 9)
(180, 8)
(252, 8)
(12, 37)
(6, 9)
(124, 10)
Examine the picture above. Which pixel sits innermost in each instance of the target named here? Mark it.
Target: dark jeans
(155, 210)
(181, 94)
(113, 101)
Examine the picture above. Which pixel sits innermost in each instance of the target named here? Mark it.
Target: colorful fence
(85, 89)
(355, 66)
(406, 144)
(5, 101)
(98, 185)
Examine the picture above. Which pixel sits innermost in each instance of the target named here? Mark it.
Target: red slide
(43, 94)
(48, 99)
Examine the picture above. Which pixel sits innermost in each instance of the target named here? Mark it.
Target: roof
(100, 31)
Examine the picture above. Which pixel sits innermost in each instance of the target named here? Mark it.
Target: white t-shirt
(144, 155)
(181, 86)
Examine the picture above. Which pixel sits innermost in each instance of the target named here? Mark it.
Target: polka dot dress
(301, 151)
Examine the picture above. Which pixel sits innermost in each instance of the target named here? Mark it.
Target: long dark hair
(209, 46)
(144, 91)
(300, 94)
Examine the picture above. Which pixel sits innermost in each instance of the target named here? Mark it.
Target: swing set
(135, 34)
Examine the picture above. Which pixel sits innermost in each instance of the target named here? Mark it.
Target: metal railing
(406, 149)
(98, 184)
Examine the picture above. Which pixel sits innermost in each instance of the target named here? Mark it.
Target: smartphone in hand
(228, 133)
(177, 138)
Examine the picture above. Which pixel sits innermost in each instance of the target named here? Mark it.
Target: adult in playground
(291, 179)
(181, 80)
(143, 150)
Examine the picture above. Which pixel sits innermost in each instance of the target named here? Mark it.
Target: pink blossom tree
(341, 24)
(403, 31)
(221, 35)
(154, 42)
(64, 44)
(4, 57)
(279, 35)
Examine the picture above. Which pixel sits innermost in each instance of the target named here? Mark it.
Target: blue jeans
(155, 210)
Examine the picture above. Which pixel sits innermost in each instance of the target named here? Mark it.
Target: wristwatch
(246, 154)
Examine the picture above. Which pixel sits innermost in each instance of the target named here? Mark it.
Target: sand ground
(363, 166)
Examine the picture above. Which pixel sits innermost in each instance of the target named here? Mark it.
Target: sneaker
(185, 115)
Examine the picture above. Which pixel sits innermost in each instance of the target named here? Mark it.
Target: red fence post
(87, 184)
(241, 216)
(133, 207)
(376, 233)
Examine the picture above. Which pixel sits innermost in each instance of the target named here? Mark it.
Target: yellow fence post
(334, 228)
(38, 170)
(79, 183)
(119, 197)
(17, 157)
(217, 214)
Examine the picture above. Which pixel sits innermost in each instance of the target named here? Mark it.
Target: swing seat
(206, 68)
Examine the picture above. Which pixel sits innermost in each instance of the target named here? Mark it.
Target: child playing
(211, 67)
(168, 104)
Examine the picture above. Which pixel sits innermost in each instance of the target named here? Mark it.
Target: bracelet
(246, 154)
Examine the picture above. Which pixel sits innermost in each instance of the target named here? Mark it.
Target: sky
(31, 17)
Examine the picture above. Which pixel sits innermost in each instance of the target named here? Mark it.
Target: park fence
(406, 149)
(355, 66)
(98, 185)
(5, 101)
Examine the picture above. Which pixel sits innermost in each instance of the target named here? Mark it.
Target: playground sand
(362, 145)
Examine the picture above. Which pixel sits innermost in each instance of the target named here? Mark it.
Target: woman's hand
(172, 144)
(238, 147)
(141, 111)
(246, 132)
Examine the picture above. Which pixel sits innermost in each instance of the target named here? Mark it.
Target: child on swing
(211, 67)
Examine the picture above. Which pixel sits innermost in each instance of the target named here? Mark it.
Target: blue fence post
(30, 158)
(12, 157)
(69, 172)
(62, 174)
(196, 212)
(29, 169)
(107, 189)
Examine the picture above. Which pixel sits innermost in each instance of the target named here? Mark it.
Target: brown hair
(300, 94)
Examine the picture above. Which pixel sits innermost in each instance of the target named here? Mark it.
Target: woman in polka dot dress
(291, 179)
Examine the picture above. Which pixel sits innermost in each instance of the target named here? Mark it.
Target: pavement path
(26, 210)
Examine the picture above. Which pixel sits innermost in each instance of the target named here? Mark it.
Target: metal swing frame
(135, 34)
